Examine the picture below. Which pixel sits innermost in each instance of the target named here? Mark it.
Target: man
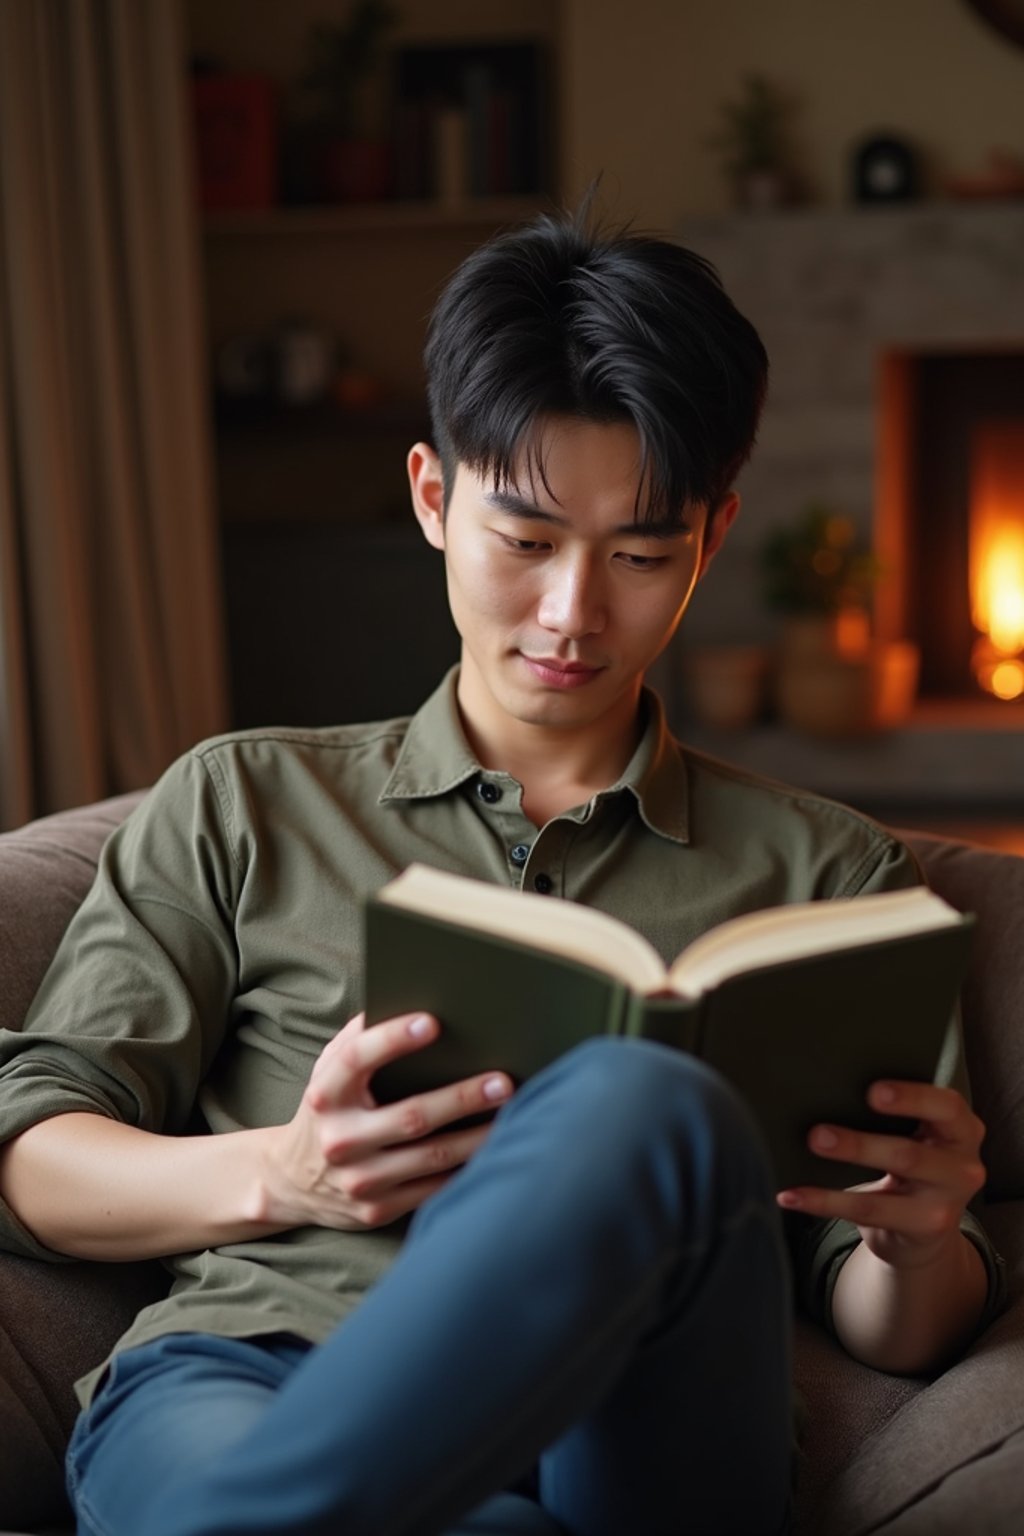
(584, 1325)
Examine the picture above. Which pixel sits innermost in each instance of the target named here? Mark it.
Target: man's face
(562, 599)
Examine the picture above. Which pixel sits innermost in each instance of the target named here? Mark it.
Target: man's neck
(558, 769)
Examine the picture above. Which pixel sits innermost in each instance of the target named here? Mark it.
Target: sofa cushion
(902, 1473)
(842, 1401)
(56, 1323)
(990, 884)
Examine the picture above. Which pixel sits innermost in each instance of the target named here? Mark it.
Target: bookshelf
(466, 103)
(319, 548)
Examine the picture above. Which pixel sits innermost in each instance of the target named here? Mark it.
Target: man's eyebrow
(517, 506)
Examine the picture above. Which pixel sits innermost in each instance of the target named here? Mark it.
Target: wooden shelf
(343, 220)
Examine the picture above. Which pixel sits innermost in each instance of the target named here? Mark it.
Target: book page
(803, 929)
(561, 927)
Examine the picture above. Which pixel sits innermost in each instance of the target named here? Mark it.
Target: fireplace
(872, 318)
(949, 517)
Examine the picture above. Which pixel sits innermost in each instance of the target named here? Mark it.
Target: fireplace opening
(950, 518)
(996, 556)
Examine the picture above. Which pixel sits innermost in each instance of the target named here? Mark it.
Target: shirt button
(543, 884)
(520, 853)
(488, 792)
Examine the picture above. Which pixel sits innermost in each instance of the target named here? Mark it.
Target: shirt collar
(435, 758)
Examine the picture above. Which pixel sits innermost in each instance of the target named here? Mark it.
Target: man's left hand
(907, 1216)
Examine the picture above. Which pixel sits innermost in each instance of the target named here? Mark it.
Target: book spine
(674, 1021)
(478, 89)
(451, 151)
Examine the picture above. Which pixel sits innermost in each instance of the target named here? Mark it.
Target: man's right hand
(346, 1162)
(94, 1188)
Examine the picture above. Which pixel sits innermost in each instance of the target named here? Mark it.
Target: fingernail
(883, 1094)
(497, 1088)
(790, 1198)
(420, 1026)
(823, 1138)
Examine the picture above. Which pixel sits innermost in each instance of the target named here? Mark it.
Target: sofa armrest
(46, 869)
(56, 1321)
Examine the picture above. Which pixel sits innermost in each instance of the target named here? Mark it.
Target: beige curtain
(112, 657)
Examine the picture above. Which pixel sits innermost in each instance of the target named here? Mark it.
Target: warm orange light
(996, 555)
(1007, 679)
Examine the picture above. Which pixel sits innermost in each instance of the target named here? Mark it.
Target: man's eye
(641, 562)
(522, 546)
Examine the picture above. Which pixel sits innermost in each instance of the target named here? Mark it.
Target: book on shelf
(470, 121)
(800, 1007)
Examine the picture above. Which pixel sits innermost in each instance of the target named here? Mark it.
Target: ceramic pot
(837, 696)
(811, 636)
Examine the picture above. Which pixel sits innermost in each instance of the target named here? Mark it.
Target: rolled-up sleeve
(137, 999)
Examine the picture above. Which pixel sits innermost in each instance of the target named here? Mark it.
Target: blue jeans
(598, 1302)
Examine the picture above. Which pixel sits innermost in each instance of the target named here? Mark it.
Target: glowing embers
(996, 556)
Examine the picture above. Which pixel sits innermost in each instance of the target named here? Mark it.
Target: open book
(802, 1007)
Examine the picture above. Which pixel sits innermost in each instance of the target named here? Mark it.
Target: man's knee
(652, 1083)
(625, 1097)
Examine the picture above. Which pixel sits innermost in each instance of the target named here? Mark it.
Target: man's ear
(720, 520)
(426, 483)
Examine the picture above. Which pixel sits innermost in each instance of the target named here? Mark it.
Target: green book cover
(801, 1037)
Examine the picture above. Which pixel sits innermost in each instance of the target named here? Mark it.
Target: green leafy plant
(340, 59)
(755, 129)
(817, 564)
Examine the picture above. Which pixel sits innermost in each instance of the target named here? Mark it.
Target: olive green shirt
(221, 947)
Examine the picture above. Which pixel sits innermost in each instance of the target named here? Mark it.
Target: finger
(942, 1165)
(876, 1208)
(379, 1176)
(354, 1133)
(424, 1113)
(355, 1053)
(405, 1199)
(944, 1112)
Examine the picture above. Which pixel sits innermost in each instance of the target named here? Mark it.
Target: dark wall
(329, 623)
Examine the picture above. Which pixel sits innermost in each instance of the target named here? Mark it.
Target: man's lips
(560, 674)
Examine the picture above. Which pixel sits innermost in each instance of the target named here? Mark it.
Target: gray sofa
(907, 1457)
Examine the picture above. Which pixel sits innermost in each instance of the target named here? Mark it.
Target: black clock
(885, 170)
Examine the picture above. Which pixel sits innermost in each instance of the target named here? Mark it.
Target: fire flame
(996, 559)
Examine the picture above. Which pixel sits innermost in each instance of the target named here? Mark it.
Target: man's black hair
(551, 319)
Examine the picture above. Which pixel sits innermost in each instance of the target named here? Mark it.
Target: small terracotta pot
(810, 636)
(836, 696)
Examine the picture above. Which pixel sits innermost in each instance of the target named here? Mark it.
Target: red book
(236, 140)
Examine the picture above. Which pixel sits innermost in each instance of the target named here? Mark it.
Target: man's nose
(574, 602)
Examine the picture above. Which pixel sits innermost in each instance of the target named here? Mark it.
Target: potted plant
(819, 576)
(832, 678)
(340, 100)
(754, 142)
